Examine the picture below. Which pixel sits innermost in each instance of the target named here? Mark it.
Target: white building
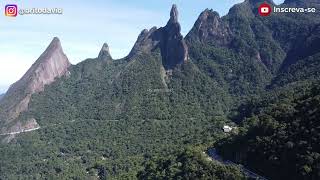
(227, 129)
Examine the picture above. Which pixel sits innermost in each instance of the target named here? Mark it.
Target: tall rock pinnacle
(52, 64)
(174, 14)
(104, 54)
(174, 50)
(172, 45)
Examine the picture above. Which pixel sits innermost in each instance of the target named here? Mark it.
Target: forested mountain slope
(279, 133)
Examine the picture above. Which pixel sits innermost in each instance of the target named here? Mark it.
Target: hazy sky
(85, 26)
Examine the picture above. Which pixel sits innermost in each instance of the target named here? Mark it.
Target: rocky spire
(174, 14)
(52, 64)
(104, 54)
(173, 48)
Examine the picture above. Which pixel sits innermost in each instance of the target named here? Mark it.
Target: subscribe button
(265, 9)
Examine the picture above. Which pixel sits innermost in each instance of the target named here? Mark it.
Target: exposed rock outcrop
(210, 28)
(172, 45)
(52, 64)
(20, 127)
(146, 42)
(174, 50)
(104, 54)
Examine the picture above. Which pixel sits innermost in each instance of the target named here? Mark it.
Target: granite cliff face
(210, 28)
(52, 64)
(172, 45)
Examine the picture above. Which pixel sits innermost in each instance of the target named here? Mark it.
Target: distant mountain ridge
(255, 46)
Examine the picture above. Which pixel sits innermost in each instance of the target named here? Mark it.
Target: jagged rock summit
(174, 14)
(104, 54)
(52, 64)
(172, 45)
(209, 27)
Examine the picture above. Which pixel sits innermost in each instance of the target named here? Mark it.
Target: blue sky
(85, 26)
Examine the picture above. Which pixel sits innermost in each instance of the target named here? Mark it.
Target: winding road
(18, 132)
(33, 129)
(212, 152)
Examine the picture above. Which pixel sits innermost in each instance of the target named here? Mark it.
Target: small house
(227, 129)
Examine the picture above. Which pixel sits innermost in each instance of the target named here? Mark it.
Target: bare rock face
(172, 45)
(52, 64)
(20, 127)
(210, 28)
(104, 54)
(145, 43)
(174, 49)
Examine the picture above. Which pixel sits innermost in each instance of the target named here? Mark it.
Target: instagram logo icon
(11, 10)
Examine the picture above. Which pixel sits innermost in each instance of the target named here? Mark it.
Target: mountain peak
(51, 64)
(53, 61)
(172, 45)
(145, 43)
(209, 14)
(56, 40)
(174, 13)
(55, 44)
(209, 27)
(105, 53)
(174, 50)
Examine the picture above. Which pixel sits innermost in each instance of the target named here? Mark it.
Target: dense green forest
(94, 120)
(191, 163)
(279, 133)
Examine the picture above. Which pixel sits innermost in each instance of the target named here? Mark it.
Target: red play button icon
(265, 9)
